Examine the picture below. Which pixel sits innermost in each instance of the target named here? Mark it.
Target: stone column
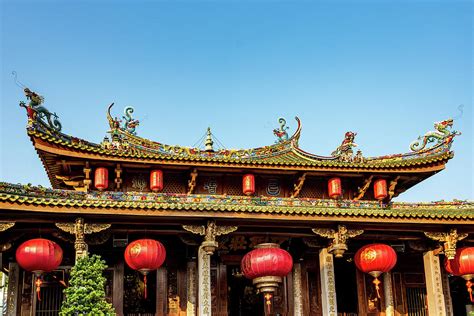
(191, 289)
(297, 291)
(388, 294)
(207, 248)
(434, 284)
(204, 277)
(328, 283)
(447, 293)
(12, 296)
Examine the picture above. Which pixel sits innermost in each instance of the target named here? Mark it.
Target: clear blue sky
(385, 69)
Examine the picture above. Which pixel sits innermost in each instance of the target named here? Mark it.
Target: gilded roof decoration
(26, 194)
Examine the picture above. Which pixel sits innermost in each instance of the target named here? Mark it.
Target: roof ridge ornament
(209, 142)
(441, 134)
(281, 132)
(38, 113)
(345, 152)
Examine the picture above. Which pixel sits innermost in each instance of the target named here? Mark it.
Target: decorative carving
(364, 188)
(273, 187)
(298, 186)
(77, 182)
(280, 132)
(139, 183)
(129, 123)
(6, 225)
(449, 241)
(80, 229)
(211, 185)
(339, 238)
(118, 176)
(391, 187)
(345, 151)
(38, 113)
(442, 135)
(87, 176)
(192, 181)
(210, 232)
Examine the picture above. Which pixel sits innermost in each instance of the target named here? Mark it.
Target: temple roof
(124, 145)
(40, 199)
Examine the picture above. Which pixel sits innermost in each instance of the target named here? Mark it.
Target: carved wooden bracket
(192, 181)
(87, 177)
(298, 185)
(449, 241)
(364, 188)
(339, 238)
(391, 187)
(118, 179)
(77, 182)
(210, 232)
(80, 229)
(6, 225)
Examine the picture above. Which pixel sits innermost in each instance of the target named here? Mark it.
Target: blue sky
(385, 69)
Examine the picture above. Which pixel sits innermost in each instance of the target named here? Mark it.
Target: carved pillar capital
(79, 229)
(6, 225)
(210, 232)
(449, 241)
(339, 238)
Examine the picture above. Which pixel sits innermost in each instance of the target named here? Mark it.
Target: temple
(273, 230)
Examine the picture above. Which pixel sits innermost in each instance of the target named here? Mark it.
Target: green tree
(85, 294)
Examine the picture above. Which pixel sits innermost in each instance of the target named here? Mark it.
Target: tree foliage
(85, 294)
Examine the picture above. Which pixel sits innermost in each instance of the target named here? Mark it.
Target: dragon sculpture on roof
(37, 112)
(441, 135)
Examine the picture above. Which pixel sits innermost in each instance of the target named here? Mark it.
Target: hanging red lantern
(380, 189)
(266, 265)
(334, 188)
(375, 259)
(39, 256)
(463, 265)
(145, 255)
(248, 184)
(101, 178)
(156, 180)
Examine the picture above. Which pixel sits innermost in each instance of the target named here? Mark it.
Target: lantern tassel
(268, 302)
(469, 289)
(38, 283)
(145, 287)
(377, 288)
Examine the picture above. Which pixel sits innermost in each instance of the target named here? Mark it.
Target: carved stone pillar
(297, 290)
(204, 277)
(434, 284)
(328, 283)
(191, 289)
(207, 248)
(447, 293)
(388, 294)
(12, 296)
(79, 229)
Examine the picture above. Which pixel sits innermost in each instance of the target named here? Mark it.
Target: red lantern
(248, 184)
(463, 265)
(156, 180)
(145, 255)
(266, 265)
(39, 256)
(375, 259)
(334, 188)
(101, 178)
(380, 189)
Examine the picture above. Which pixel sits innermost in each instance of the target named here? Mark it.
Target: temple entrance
(134, 301)
(242, 298)
(346, 284)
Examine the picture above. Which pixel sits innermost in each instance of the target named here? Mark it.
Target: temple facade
(331, 216)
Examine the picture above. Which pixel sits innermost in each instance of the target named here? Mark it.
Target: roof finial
(209, 142)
